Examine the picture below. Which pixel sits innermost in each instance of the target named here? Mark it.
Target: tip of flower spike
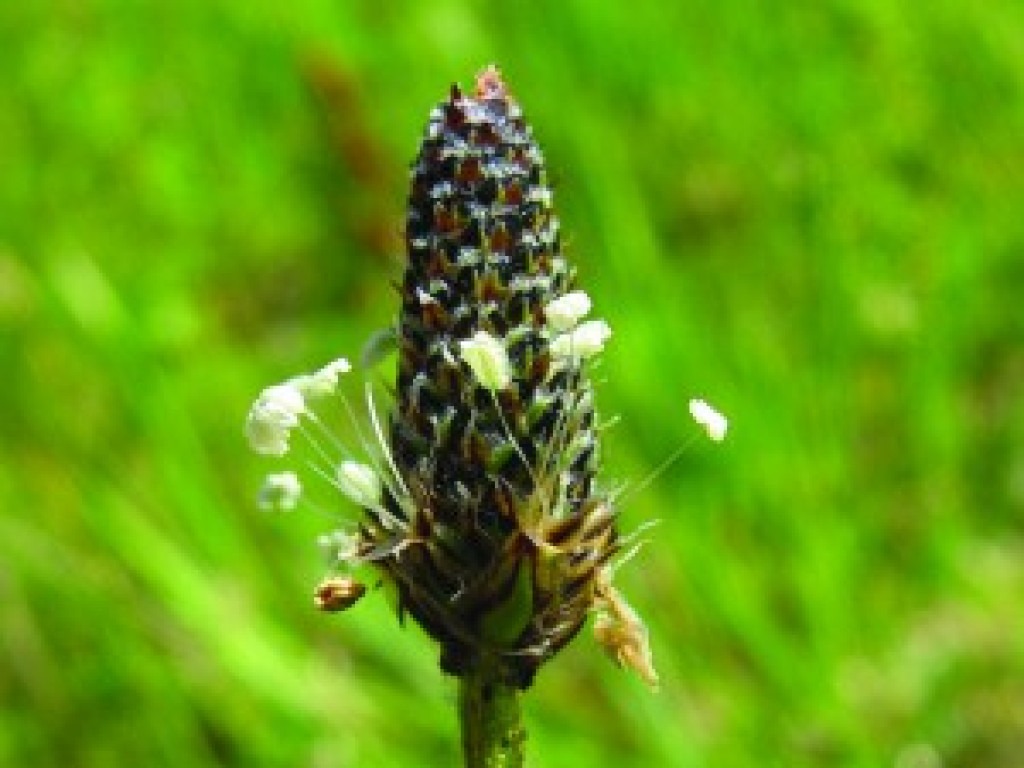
(713, 422)
(489, 84)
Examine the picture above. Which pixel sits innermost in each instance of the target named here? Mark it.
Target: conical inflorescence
(483, 510)
(499, 461)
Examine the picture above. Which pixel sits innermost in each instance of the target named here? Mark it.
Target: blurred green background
(809, 213)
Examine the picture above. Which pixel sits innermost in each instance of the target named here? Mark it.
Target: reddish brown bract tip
(489, 85)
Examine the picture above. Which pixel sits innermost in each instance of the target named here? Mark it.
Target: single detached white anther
(713, 422)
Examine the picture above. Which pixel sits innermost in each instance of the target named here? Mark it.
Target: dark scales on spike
(490, 571)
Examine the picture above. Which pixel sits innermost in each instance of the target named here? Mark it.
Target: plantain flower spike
(493, 528)
(480, 507)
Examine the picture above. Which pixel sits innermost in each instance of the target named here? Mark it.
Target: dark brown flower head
(493, 433)
(483, 510)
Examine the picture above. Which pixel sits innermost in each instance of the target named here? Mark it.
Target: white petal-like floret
(281, 491)
(713, 422)
(266, 435)
(359, 483)
(325, 381)
(285, 397)
(272, 417)
(565, 311)
(487, 358)
(583, 342)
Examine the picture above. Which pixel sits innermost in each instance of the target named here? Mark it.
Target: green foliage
(807, 213)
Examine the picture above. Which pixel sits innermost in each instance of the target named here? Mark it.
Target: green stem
(492, 729)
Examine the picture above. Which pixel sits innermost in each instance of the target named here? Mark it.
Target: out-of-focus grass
(808, 213)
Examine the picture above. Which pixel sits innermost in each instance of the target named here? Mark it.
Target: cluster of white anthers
(278, 409)
(284, 408)
(487, 356)
(573, 341)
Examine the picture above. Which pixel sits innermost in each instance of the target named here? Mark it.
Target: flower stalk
(490, 721)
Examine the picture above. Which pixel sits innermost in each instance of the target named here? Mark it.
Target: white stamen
(487, 358)
(375, 422)
(272, 417)
(565, 311)
(325, 381)
(583, 342)
(359, 483)
(713, 422)
(286, 397)
(340, 546)
(281, 491)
